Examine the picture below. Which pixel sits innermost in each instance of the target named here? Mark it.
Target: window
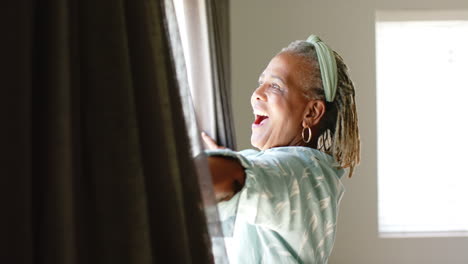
(422, 111)
(193, 30)
(204, 30)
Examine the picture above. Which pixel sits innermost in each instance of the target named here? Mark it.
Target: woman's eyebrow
(272, 76)
(279, 78)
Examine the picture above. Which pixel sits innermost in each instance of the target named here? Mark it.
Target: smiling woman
(279, 105)
(280, 204)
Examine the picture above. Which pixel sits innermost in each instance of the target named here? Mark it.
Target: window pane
(422, 91)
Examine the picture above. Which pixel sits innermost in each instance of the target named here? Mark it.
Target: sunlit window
(422, 104)
(193, 29)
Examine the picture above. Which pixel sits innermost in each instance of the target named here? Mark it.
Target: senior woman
(282, 201)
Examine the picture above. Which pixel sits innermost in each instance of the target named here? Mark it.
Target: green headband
(327, 64)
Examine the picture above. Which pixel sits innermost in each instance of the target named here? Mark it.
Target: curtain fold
(219, 41)
(96, 160)
(15, 134)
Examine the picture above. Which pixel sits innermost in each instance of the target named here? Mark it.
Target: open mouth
(259, 119)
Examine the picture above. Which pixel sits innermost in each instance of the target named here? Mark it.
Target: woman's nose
(259, 93)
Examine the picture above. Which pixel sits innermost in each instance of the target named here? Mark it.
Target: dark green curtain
(95, 160)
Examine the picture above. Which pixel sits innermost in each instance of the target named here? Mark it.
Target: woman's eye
(275, 86)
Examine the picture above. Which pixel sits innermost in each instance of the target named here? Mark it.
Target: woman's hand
(210, 142)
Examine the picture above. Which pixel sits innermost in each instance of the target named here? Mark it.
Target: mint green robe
(288, 208)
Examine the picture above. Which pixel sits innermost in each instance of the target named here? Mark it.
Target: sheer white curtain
(204, 110)
(204, 32)
(192, 20)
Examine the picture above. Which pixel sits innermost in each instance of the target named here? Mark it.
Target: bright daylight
(422, 90)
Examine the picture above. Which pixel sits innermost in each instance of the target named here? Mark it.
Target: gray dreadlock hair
(338, 129)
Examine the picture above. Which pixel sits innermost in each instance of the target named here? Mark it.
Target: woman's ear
(313, 113)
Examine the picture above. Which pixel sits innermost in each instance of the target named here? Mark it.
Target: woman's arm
(227, 174)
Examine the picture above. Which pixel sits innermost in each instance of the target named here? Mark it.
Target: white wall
(259, 29)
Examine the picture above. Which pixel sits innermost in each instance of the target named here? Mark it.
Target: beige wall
(260, 28)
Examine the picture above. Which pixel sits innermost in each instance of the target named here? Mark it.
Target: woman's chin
(257, 141)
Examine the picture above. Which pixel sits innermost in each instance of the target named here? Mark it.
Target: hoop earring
(310, 134)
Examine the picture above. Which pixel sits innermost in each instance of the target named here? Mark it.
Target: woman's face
(278, 103)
